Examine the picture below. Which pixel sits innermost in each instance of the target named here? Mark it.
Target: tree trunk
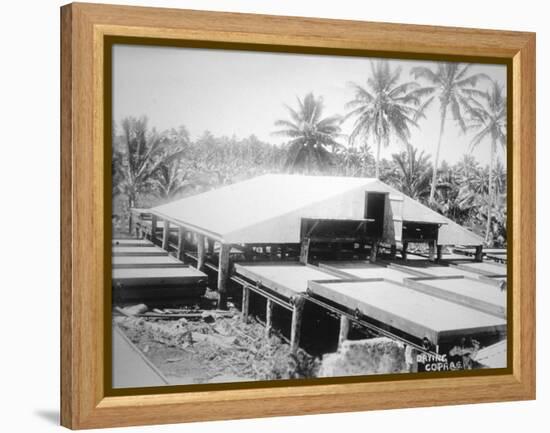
(377, 166)
(490, 193)
(436, 161)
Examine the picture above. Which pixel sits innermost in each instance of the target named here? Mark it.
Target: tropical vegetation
(151, 167)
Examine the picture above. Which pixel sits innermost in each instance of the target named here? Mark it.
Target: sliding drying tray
(280, 281)
(407, 310)
(472, 293)
(148, 274)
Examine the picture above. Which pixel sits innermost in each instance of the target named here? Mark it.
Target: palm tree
(385, 108)
(487, 116)
(413, 174)
(141, 154)
(311, 135)
(455, 88)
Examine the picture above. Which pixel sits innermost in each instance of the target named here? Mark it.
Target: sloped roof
(269, 208)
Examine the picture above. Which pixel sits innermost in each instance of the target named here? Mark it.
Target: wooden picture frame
(84, 27)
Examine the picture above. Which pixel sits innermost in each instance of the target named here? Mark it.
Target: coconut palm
(455, 87)
(385, 108)
(142, 153)
(487, 116)
(311, 135)
(414, 171)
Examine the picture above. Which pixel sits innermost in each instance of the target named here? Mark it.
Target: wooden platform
(407, 310)
(146, 262)
(181, 276)
(472, 293)
(363, 269)
(138, 251)
(286, 279)
(131, 243)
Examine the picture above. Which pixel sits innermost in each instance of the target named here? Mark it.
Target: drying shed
(276, 208)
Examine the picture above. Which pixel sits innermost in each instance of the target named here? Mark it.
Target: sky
(242, 93)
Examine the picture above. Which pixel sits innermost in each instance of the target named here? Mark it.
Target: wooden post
(165, 235)
(181, 244)
(245, 303)
(130, 223)
(439, 254)
(296, 325)
(304, 251)
(431, 251)
(344, 330)
(373, 252)
(268, 318)
(404, 250)
(223, 275)
(201, 252)
(153, 228)
(479, 253)
(393, 251)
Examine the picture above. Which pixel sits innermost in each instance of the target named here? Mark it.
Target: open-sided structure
(303, 213)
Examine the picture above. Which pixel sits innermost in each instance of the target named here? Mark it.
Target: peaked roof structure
(269, 208)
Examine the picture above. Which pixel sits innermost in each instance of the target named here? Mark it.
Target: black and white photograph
(285, 216)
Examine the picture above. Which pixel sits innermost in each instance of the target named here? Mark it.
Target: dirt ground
(215, 347)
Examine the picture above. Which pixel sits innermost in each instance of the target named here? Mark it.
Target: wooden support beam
(223, 275)
(479, 253)
(304, 250)
(246, 303)
(404, 250)
(296, 325)
(269, 318)
(393, 251)
(283, 252)
(439, 253)
(181, 244)
(431, 251)
(344, 330)
(373, 252)
(165, 235)
(201, 252)
(154, 221)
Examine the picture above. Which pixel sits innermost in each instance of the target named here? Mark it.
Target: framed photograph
(265, 215)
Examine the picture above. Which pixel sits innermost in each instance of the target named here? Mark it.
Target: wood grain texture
(84, 403)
